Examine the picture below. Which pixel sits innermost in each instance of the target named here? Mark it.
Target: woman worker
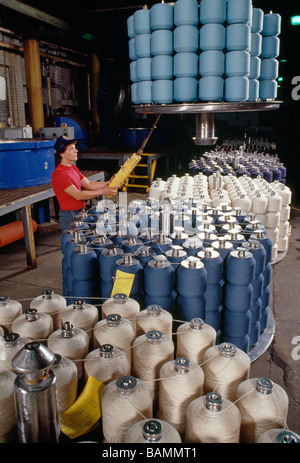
(70, 186)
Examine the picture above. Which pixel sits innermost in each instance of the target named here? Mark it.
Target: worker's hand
(119, 186)
(109, 191)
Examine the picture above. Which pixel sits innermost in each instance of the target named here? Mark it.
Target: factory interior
(195, 169)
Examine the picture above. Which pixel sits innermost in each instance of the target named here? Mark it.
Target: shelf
(207, 107)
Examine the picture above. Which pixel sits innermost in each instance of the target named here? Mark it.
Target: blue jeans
(67, 217)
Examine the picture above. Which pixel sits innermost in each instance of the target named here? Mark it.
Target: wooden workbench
(14, 199)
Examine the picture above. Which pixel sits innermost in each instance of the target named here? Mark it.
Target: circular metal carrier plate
(207, 107)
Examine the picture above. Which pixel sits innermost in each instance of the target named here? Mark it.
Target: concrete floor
(281, 360)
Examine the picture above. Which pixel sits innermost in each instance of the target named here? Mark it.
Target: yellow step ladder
(136, 177)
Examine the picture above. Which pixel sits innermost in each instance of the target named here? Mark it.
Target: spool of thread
(88, 290)
(99, 243)
(212, 419)
(124, 402)
(185, 89)
(127, 264)
(144, 91)
(161, 16)
(33, 325)
(213, 264)
(143, 69)
(192, 246)
(123, 305)
(154, 317)
(238, 37)
(188, 308)
(222, 246)
(152, 431)
(107, 258)
(150, 352)
(176, 254)
(159, 277)
(212, 63)
(268, 90)
(9, 311)
(10, 345)
(161, 244)
(236, 89)
(212, 11)
(186, 12)
(186, 39)
(70, 342)
(239, 11)
(266, 241)
(279, 436)
(8, 422)
(240, 267)
(212, 37)
(269, 69)
(81, 315)
(167, 302)
(255, 44)
(211, 88)
(106, 363)
(130, 27)
(65, 371)
(193, 339)
(134, 97)
(162, 91)
(144, 254)
(225, 367)
(185, 65)
(255, 67)
(50, 303)
(142, 21)
(237, 64)
(181, 381)
(263, 406)
(257, 20)
(270, 47)
(130, 244)
(271, 24)
(191, 278)
(131, 49)
(161, 42)
(114, 330)
(162, 67)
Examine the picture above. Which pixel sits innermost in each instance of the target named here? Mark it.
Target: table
(121, 157)
(13, 199)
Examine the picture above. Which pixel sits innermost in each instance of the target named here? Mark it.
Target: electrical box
(16, 132)
(55, 132)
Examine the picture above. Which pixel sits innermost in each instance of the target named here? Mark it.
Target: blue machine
(26, 163)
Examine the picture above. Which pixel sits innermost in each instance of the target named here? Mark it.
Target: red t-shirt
(62, 178)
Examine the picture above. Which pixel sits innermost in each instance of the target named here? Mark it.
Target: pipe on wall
(33, 82)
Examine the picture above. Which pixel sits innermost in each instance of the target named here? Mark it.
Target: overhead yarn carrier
(211, 54)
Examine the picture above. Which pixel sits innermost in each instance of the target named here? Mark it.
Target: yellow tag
(123, 283)
(85, 412)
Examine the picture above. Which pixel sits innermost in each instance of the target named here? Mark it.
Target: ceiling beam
(37, 14)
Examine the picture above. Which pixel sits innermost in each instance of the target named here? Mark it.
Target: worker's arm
(82, 195)
(90, 185)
